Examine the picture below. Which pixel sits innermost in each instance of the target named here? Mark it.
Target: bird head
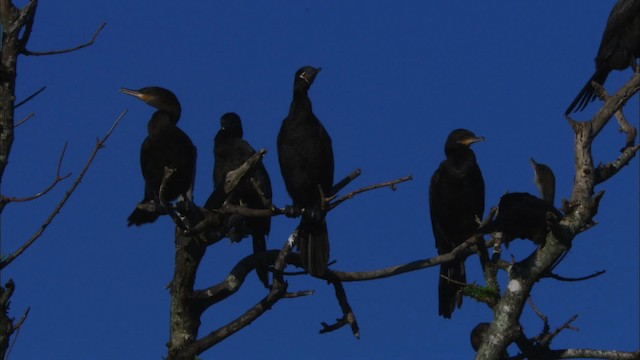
(306, 75)
(231, 123)
(159, 98)
(545, 180)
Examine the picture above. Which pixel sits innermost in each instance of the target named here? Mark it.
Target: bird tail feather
(259, 250)
(588, 93)
(452, 276)
(314, 245)
(141, 216)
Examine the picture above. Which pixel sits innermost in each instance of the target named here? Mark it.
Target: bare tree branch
(344, 182)
(58, 178)
(234, 177)
(24, 119)
(591, 354)
(99, 145)
(16, 331)
(348, 317)
(29, 98)
(604, 172)
(622, 121)
(390, 184)
(568, 279)
(277, 292)
(64, 51)
(582, 206)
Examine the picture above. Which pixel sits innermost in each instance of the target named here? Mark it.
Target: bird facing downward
(165, 147)
(306, 162)
(456, 201)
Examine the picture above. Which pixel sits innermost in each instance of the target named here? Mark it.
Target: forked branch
(58, 178)
(99, 145)
(64, 51)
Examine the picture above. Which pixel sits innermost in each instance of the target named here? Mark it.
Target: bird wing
(622, 13)
(435, 201)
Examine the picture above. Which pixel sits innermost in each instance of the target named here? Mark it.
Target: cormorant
(619, 48)
(166, 146)
(456, 200)
(230, 151)
(522, 215)
(306, 161)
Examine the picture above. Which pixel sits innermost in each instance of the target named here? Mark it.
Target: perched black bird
(306, 162)
(166, 146)
(230, 151)
(619, 49)
(456, 200)
(522, 215)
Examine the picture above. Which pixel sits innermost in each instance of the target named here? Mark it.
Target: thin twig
(404, 268)
(344, 182)
(568, 279)
(16, 332)
(390, 184)
(29, 98)
(24, 120)
(99, 145)
(55, 181)
(542, 316)
(56, 52)
(348, 317)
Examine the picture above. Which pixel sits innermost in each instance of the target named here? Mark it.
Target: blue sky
(396, 79)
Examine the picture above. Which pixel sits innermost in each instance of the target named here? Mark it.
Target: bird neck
(460, 154)
(547, 191)
(173, 110)
(230, 133)
(159, 124)
(301, 101)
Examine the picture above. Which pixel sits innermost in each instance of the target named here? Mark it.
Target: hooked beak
(139, 95)
(471, 140)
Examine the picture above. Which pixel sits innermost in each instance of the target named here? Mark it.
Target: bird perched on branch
(619, 49)
(456, 200)
(165, 147)
(522, 215)
(230, 151)
(306, 162)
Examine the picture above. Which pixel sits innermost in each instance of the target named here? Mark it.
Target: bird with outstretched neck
(306, 162)
(165, 147)
(619, 49)
(524, 216)
(456, 201)
(230, 151)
